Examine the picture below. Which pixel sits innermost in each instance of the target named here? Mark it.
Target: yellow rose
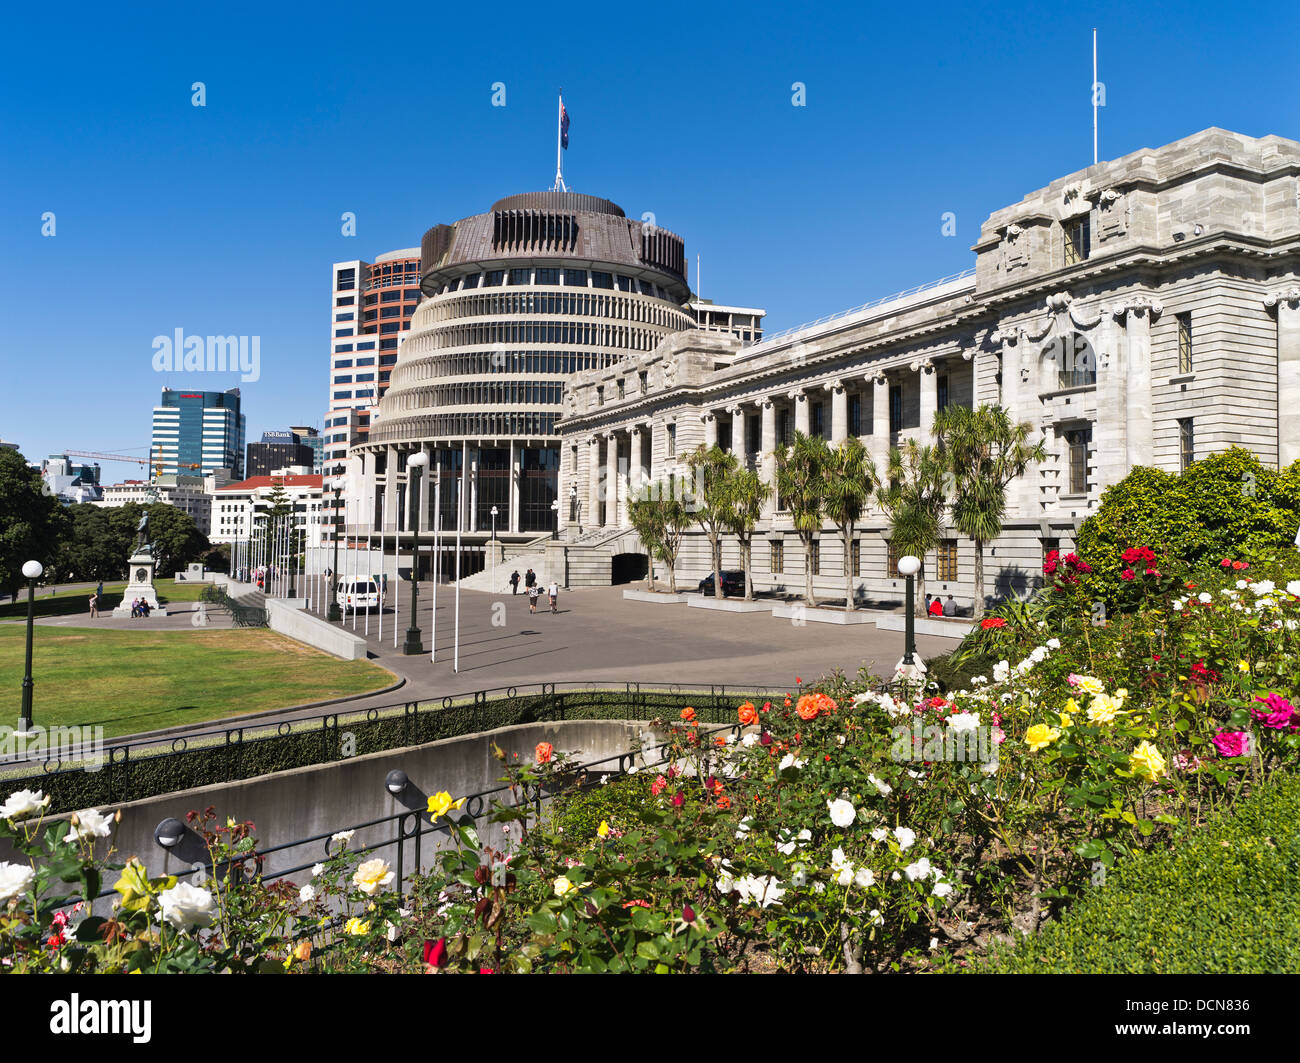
(564, 886)
(355, 926)
(603, 829)
(1066, 719)
(372, 876)
(1243, 666)
(1040, 736)
(441, 803)
(1090, 685)
(1071, 706)
(1103, 708)
(1147, 762)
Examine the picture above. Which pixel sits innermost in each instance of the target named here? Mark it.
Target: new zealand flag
(564, 127)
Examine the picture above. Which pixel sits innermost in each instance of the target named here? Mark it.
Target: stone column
(710, 419)
(591, 518)
(802, 415)
(1021, 492)
(426, 489)
(1288, 374)
(738, 433)
(390, 488)
(611, 482)
(516, 478)
(880, 440)
(471, 517)
(1138, 429)
(839, 412)
(635, 468)
(1110, 431)
(767, 454)
(928, 382)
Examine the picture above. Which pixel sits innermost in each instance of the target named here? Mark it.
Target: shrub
(1222, 901)
(615, 803)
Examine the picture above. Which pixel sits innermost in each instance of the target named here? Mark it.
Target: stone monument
(141, 573)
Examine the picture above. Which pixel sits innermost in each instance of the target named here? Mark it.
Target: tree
(712, 469)
(799, 468)
(745, 500)
(850, 479)
(98, 543)
(914, 501)
(660, 518)
(176, 538)
(983, 452)
(32, 523)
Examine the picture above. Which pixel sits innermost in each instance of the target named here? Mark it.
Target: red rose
(1127, 574)
(1225, 563)
(679, 799)
(435, 953)
(1130, 555)
(688, 914)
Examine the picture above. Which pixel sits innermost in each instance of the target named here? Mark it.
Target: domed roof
(554, 199)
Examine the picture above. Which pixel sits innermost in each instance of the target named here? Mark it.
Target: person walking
(99, 591)
(533, 593)
(94, 606)
(553, 592)
(530, 579)
(514, 582)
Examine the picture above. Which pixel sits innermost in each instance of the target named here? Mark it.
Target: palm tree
(914, 501)
(744, 510)
(799, 469)
(984, 451)
(660, 518)
(713, 470)
(850, 481)
(646, 516)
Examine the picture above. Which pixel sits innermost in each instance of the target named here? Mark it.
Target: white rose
(1177, 606)
(879, 834)
(317, 869)
(884, 787)
(1293, 588)
(842, 812)
(941, 889)
(906, 837)
(90, 825)
(920, 869)
(864, 878)
(798, 876)
(1053, 644)
(23, 804)
(749, 741)
(1205, 598)
(789, 761)
(962, 722)
(14, 879)
(343, 836)
(307, 893)
(186, 906)
(1264, 586)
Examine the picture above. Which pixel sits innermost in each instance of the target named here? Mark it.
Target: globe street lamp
(335, 615)
(575, 507)
(32, 571)
(494, 549)
(555, 525)
(415, 469)
(909, 565)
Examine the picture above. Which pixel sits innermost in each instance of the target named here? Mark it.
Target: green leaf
(647, 950)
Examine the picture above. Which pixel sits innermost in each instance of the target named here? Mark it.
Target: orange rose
(748, 714)
(808, 707)
(724, 803)
(688, 713)
(543, 752)
(720, 741)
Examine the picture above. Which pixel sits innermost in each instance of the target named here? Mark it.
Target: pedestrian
(533, 593)
(552, 592)
(99, 591)
(928, 597)
(94, 606)
(950, 607)
(530, 578)
(514, 582)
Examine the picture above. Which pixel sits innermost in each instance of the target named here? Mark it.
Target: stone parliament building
(1143, 311)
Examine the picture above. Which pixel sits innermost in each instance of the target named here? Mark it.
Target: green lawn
(70, 602)
(131, 681)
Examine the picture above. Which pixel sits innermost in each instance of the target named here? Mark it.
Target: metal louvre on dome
(555, 200)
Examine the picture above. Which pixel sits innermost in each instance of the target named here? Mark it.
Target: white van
(353, 596)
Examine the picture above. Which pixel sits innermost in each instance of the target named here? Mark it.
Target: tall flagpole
(437, 524)
(559, 146)
(460, 519)
(1094, 96)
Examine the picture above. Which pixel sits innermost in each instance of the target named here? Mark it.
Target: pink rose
(1232, 743)
(1278, 716)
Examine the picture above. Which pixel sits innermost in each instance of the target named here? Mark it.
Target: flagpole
(559, 134)
(1094, 96)
(460, 519)
(437, 523)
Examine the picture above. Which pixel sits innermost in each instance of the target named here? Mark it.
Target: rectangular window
(1077, 441)
(1078, 240)
(548, 275)
(1186, 444)
(346, 280)
(621, 388)
(947, 556)
(600, 395)
(815, 557)
(625, 284)
(891, 561)
(519, 276)
(394, 296)
(471, 281)
(390, 311)
(896, 407)
(778, 556)
(643, 379)
(344, 331)
(601, 280)
(783, 433)
(672, 440)
(941, 389)
(345, 300)
(575, 278)
(855, 558)
(1184, 343)
(818, 420)
(855, 415)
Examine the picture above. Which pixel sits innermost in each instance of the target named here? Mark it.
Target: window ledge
(1182, 378)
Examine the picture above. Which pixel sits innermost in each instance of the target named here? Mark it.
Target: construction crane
(157, 463)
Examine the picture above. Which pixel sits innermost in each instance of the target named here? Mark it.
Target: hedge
(129, 776)
(1222, 901)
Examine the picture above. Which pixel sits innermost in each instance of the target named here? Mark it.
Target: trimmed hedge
(127, 778)
(1223, 901)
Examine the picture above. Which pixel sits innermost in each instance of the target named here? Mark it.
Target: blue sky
(224, 219)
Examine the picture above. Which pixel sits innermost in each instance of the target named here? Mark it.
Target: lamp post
(575, 506)
(335, 615)
(415, 469)
(908, 566)
(494, 549)
(291, 554)
(555, 523)
(32, 571)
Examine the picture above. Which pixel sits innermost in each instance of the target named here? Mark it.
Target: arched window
(1075, 360)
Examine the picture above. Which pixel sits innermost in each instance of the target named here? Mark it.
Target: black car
(733, 584)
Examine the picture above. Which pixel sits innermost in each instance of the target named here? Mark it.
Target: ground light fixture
(396, 781)
(32, 571)
(909, 565)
